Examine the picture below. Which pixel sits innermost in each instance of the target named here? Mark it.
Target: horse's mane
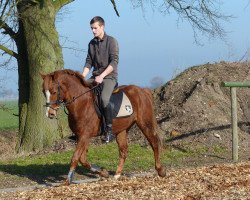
(72, 73)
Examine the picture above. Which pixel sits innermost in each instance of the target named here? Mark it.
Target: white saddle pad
(126, 108)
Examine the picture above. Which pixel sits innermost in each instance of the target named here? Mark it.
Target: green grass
(7, 119)
(218, 149)
(56, 165)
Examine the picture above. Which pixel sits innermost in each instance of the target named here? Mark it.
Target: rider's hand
(98, 79)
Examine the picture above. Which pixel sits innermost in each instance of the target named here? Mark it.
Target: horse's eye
(52, 92)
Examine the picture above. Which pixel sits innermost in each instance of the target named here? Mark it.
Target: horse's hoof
(104, 173)
(162, 172)
(117, 176)
(65, 183)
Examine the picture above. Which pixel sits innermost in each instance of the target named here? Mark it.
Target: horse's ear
(42, 75)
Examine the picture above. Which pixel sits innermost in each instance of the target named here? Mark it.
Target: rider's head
(97, 26)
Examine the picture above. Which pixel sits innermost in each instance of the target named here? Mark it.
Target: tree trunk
(39, 52)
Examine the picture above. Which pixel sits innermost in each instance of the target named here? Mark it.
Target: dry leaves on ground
(224, 181)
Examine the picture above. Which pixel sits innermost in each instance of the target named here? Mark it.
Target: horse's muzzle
(51, 112)
(52, 115)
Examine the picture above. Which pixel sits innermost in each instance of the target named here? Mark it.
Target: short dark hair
(97, 19)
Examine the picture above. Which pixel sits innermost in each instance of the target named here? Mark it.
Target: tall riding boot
(108, 114)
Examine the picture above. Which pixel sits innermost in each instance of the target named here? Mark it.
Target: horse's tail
(156, 129)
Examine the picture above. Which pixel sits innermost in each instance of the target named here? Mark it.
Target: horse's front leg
(94, 168)
(123, 152)
(81, 146)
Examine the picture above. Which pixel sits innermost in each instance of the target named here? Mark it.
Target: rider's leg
(108, 114)
(108, 87)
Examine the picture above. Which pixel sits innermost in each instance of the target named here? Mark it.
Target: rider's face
(97, 29)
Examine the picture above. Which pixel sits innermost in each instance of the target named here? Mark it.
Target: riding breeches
(108, 87)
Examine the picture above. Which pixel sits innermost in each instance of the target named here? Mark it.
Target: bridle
(59, 101)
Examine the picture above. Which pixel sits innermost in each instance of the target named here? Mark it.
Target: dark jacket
(101, 54)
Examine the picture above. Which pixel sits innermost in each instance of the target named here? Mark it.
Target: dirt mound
(194, 105)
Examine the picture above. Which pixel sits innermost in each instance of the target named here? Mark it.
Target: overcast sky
(151, 45)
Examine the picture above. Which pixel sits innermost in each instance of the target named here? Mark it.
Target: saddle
(119, 101)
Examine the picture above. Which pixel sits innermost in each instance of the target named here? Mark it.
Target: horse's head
(53, 93)
(56, 89)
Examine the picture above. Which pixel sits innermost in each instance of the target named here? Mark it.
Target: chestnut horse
(71, 89)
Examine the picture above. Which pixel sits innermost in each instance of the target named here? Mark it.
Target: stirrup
(108, 137)
(72, 138)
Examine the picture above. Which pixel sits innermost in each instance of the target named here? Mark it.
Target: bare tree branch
(7, 29)
(7, 64)
(246, 55)
(114, 5)
(4, 7)
(8, 51)
(203, 15)
(8, 16)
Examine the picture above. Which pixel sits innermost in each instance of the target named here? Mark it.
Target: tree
(37, 51)
(30, 25)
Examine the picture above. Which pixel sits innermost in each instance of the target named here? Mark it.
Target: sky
(151, 44)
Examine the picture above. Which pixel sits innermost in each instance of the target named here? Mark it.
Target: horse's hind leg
(148, 129)
(121, 139)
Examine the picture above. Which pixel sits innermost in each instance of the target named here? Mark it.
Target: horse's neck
(78, 95)
(78, 91)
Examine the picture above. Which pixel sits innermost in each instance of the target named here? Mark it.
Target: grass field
(56, 165)
(8, 121)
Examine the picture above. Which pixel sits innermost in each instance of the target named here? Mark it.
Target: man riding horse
(103, 56)
(73, 91)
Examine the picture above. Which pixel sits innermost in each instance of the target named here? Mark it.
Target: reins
(74, 98)
(59, 101)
